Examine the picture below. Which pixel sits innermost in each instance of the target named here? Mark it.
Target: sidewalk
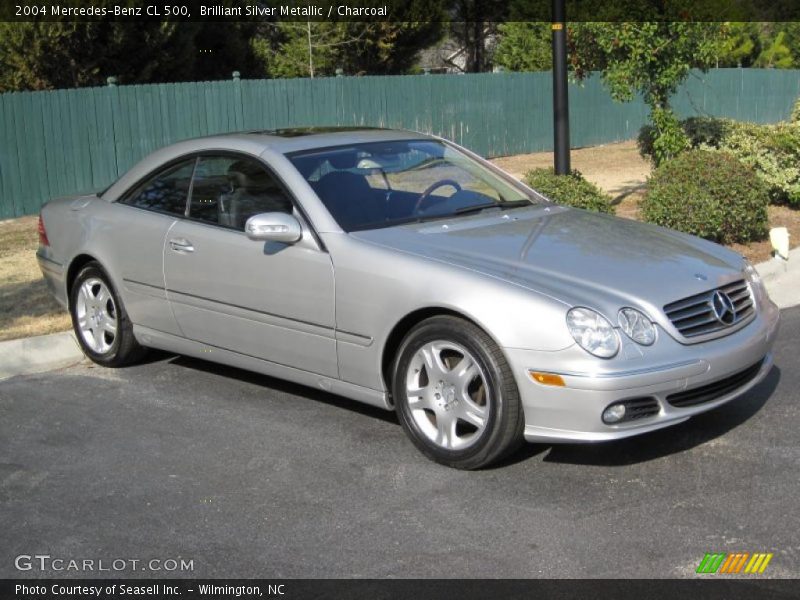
(38, 354)
(782, 279)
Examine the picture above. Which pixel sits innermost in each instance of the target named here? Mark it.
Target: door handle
(181, 245)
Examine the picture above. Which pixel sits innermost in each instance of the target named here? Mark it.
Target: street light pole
(560, 93)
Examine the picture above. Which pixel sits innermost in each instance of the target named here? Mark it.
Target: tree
(777, 54)
(780, 46)
(296, 49)
(739, 45)
(391, 47)
(41, 55)
(474, 26)
(52, 55)
(650, 59)
(524, 46)
(764, 45)
(227, 49)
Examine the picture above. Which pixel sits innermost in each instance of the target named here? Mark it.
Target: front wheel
(99, 319)
(455, 395)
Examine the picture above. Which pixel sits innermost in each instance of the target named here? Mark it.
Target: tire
(465, 415)
(100, 321)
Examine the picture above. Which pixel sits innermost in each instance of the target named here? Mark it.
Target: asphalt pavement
(248, 476)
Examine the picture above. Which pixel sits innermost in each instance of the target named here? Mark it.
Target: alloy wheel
(448, 395)
(97, 315)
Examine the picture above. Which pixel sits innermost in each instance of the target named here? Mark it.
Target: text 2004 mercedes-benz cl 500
(403, 271)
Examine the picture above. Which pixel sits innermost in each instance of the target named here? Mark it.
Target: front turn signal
(547, 378)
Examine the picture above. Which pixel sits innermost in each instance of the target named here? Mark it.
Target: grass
(26, 306)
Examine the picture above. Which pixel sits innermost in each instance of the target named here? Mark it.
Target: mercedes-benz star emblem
(723, 308)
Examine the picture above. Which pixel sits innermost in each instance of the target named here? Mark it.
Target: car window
(167, 192)
(417, 170)
(229, 190)
(380, 184)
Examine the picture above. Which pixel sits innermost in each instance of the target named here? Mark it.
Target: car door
(146, 213)
(271, 300)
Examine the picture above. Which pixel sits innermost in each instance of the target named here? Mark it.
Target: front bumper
(573, 413)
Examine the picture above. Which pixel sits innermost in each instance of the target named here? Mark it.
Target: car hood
(571, 255)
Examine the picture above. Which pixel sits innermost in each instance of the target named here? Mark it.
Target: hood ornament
(723, 307)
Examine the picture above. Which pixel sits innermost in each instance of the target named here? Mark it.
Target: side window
(166, 192)
(229, 190)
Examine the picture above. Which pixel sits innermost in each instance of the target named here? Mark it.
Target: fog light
(614, 413)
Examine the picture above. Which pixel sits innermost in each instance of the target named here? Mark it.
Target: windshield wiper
(481, 207)
(462, 211)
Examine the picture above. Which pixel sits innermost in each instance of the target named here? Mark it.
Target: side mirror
(273, 227)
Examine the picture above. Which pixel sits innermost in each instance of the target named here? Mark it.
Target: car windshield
(380, 184)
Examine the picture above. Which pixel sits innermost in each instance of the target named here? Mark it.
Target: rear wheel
(99, 319)
(455, 395)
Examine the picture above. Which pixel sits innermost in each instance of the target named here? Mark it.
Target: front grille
(715, 390)
(694, 316)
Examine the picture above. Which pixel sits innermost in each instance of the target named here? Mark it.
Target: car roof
(282, 141)
(294, 139)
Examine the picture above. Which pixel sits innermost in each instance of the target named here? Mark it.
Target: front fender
(377, 287)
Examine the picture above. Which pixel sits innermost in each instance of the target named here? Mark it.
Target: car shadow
(671, 440)
(153, 356)
(282, 385)
(638, 449)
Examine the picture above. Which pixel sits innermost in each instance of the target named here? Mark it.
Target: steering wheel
(433, 187)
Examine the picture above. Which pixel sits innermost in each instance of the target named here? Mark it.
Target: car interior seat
(350, 199)
(252, 191)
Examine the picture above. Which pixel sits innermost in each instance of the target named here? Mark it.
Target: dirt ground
(619, 170)
(27, 309)
(616, 168)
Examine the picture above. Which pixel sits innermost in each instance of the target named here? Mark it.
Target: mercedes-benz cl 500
(401, 270)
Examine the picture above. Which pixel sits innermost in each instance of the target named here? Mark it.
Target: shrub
(669, 139)
(644, 141)
(772, 150)
(699, 132)
(708, 194)
(572, 189)
(706, 131)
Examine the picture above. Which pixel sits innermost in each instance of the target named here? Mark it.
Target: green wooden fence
(72, 141)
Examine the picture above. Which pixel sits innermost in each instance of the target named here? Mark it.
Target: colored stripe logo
(734, 562)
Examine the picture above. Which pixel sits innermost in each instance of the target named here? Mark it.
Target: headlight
(751, 274)
(754, 279)
(637, 326)
(593, 332)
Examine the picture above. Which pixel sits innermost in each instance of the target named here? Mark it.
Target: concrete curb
(782, 279)
(38, 354)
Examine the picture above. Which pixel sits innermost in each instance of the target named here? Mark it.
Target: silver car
(403, 271)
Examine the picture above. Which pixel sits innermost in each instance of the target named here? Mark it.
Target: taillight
(42, 233)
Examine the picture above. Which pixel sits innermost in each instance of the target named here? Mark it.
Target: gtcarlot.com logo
(45, 562)
(734, 563)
